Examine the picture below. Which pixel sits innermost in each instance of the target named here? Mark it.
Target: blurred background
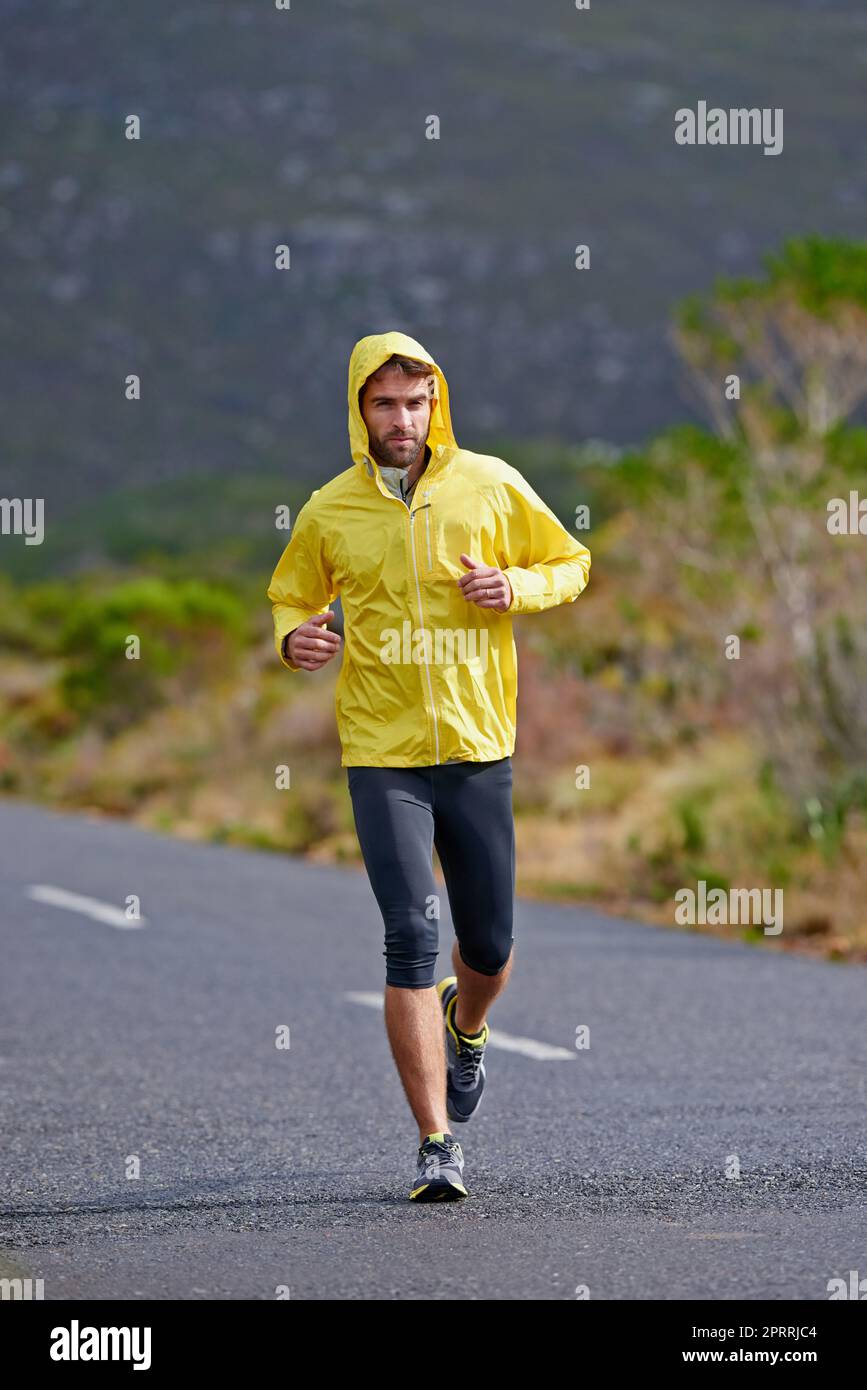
(606, 387)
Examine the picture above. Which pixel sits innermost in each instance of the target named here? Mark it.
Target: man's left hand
(485, 586)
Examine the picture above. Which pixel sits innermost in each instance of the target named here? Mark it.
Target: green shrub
(188, 634)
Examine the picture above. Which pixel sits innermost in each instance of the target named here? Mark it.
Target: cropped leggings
(465, 810)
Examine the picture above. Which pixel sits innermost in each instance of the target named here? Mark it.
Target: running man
(432, 549)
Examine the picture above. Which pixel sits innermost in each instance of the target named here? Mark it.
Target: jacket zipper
(427, 525)
(426, 664)
(420, 608)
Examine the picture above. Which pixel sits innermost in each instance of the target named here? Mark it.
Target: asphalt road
(263, 1167)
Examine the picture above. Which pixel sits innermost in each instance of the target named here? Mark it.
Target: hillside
(307, 127)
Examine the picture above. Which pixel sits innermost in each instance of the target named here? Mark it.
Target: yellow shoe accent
(476, 1039)
(458, 1036)
(450, 1012)
(444, 984)
(450, 1016)
(439, 1196)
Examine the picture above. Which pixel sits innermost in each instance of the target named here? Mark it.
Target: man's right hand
(311, 645)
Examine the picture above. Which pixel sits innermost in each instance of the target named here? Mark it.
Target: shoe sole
(438, 1192)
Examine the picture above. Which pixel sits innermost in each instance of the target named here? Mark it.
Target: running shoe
(465, 1080)
(440, 1170)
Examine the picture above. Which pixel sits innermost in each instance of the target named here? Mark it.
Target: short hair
(410, 366)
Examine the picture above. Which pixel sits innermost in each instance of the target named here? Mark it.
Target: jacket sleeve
(302, 584)
(545, 564)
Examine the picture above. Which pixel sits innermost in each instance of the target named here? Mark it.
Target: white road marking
(509, 1042)
(88, 907)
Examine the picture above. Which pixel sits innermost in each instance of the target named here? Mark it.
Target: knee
(490, 960)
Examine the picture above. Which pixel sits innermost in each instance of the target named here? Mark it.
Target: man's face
(396, 409)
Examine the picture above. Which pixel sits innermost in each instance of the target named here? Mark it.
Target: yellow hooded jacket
(427, 675)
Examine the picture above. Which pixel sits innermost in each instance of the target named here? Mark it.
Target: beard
(396, 455)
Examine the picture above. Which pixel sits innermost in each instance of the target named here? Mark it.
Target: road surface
(149, 1047)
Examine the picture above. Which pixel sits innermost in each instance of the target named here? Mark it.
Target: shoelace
(440, 1147)
(469, 1060)
(468, 1063)
(435, 1151)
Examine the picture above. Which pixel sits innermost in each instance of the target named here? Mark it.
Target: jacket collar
(440, 458)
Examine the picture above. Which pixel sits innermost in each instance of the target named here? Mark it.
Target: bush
(188, 634)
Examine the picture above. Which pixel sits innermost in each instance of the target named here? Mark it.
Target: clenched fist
(311, 645)
(485, 586)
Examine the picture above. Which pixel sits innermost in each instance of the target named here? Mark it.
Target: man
(432, 548)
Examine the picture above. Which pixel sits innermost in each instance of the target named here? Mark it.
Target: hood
(370, 353)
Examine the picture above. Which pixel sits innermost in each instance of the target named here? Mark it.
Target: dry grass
(205, 768)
